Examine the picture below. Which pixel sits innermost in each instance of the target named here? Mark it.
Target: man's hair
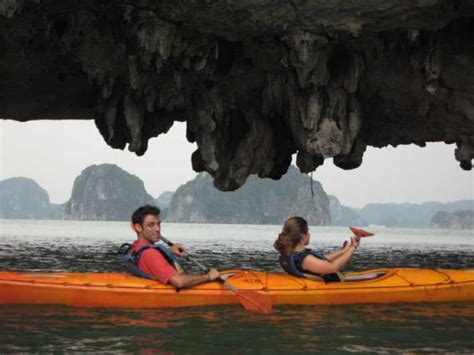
(141, 212)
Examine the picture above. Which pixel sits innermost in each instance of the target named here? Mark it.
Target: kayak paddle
(360, 232)
(251, 301)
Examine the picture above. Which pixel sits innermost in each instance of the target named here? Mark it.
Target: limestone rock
(163, 201)
(256, 82)
(409, 215)
(463, 219)
(105, 193)
(342, 215)
(259, 201)
(23, 198)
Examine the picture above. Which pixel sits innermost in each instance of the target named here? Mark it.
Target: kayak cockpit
(365, 277)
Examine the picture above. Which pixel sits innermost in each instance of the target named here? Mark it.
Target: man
(147, 224)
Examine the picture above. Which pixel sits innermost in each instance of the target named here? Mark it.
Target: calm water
(91, 246)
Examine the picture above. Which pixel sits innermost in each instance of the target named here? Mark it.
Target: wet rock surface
(255, 81)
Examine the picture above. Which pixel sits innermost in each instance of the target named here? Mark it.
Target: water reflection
(377, 328)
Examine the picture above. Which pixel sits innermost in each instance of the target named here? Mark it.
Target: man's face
(150, 229)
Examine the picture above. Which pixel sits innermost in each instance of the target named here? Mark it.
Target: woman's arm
(318, 266)
(336, 254)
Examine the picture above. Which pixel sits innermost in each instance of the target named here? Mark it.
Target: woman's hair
(291, 235)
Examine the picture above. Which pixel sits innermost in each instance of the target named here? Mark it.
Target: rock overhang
(255, 81)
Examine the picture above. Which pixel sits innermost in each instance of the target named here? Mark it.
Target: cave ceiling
(255, 81)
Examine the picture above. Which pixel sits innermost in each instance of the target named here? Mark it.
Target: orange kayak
(126, 291)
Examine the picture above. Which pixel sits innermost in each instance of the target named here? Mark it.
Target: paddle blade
(255, 302)
(360, 232)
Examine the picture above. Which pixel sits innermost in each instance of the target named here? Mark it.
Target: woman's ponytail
(291, 234)
(283, 244)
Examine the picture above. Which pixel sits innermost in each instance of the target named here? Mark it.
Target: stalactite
(253, 90)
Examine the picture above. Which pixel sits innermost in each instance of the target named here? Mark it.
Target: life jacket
(131, 259)
(292, 264)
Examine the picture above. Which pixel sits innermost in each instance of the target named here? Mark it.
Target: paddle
(360, 232)
(251, 301)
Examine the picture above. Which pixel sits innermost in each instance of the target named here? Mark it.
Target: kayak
(127, 291)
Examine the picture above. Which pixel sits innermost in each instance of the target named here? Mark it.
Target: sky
(53, 153)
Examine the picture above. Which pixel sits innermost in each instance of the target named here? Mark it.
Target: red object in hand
(360, 232)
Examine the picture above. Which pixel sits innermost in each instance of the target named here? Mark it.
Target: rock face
(256, 81)
(257, 202)
(23, 198)
(343, 215)
(163, 201)
(105, 193)
(57, 211)
(453, 220)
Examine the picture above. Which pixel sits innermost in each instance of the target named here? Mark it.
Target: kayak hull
(117, 290)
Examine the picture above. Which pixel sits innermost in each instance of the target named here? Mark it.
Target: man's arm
(184, 281)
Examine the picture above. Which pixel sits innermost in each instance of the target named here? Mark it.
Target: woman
(300, 261)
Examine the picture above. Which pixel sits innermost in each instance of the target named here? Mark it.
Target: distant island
(164, 200)
(457, 219)
(108, 193)
(258, 201)
(408, 215)
(343, 215)
(23, 198)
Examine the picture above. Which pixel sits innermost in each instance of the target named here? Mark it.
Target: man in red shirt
(147, 224)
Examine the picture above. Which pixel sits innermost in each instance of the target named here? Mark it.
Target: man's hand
(177, 249)
(213, 274)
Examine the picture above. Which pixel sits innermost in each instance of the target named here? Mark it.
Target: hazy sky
(54, 153)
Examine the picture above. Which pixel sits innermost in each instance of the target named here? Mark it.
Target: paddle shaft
(201, 266)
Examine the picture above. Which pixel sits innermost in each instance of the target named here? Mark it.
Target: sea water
(91, 247)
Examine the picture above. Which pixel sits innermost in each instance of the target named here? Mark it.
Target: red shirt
(153, 262)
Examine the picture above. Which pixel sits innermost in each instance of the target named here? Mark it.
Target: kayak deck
(126, 291)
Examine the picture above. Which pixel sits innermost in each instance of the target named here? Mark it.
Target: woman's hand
(355, 242)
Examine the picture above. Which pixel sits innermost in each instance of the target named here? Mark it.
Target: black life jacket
(131, 260)
(292, 264)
